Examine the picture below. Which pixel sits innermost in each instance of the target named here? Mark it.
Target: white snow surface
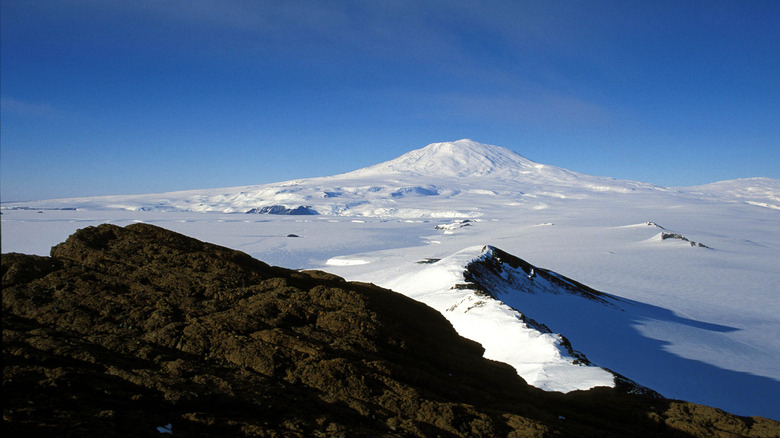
(693, 323)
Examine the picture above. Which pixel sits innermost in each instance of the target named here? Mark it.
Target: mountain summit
(461, 158)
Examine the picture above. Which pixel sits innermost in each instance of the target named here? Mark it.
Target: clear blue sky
(143, 96)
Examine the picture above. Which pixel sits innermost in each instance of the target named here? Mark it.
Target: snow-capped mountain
(462, 158)
(450, 175)
(681, 291)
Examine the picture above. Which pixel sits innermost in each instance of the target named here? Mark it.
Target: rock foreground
(126, 330)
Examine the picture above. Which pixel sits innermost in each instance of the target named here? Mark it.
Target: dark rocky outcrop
(497, 267)
(678, 236)
(281, 209)
(454, 225)
(126, 330)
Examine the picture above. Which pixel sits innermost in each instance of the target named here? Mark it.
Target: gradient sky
(143, 96)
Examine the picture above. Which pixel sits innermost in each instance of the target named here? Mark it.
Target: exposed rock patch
(498, 266)
(454, 225)
(281, 209)
(678, 236)
(126, 330)
(427, 261)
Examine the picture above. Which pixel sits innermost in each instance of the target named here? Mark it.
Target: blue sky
(114, 97)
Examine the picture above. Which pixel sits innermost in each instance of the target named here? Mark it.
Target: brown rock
(124, 330)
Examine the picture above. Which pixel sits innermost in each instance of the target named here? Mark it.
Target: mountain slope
(762, 192)
(540, 357)
(513, 309)
(139, 331)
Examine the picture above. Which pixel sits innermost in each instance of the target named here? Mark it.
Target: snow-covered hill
(696, 322)
(762, 192)
(481, 291)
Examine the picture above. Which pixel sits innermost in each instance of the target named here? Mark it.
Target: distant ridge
(453, 177)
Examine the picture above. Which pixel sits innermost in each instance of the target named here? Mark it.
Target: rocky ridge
(126, 330)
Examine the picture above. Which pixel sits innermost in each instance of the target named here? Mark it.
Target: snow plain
(696, 323)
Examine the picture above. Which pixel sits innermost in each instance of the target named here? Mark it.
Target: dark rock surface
(125, 330)
(679, 236)
(281, 209)
(493, 270)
